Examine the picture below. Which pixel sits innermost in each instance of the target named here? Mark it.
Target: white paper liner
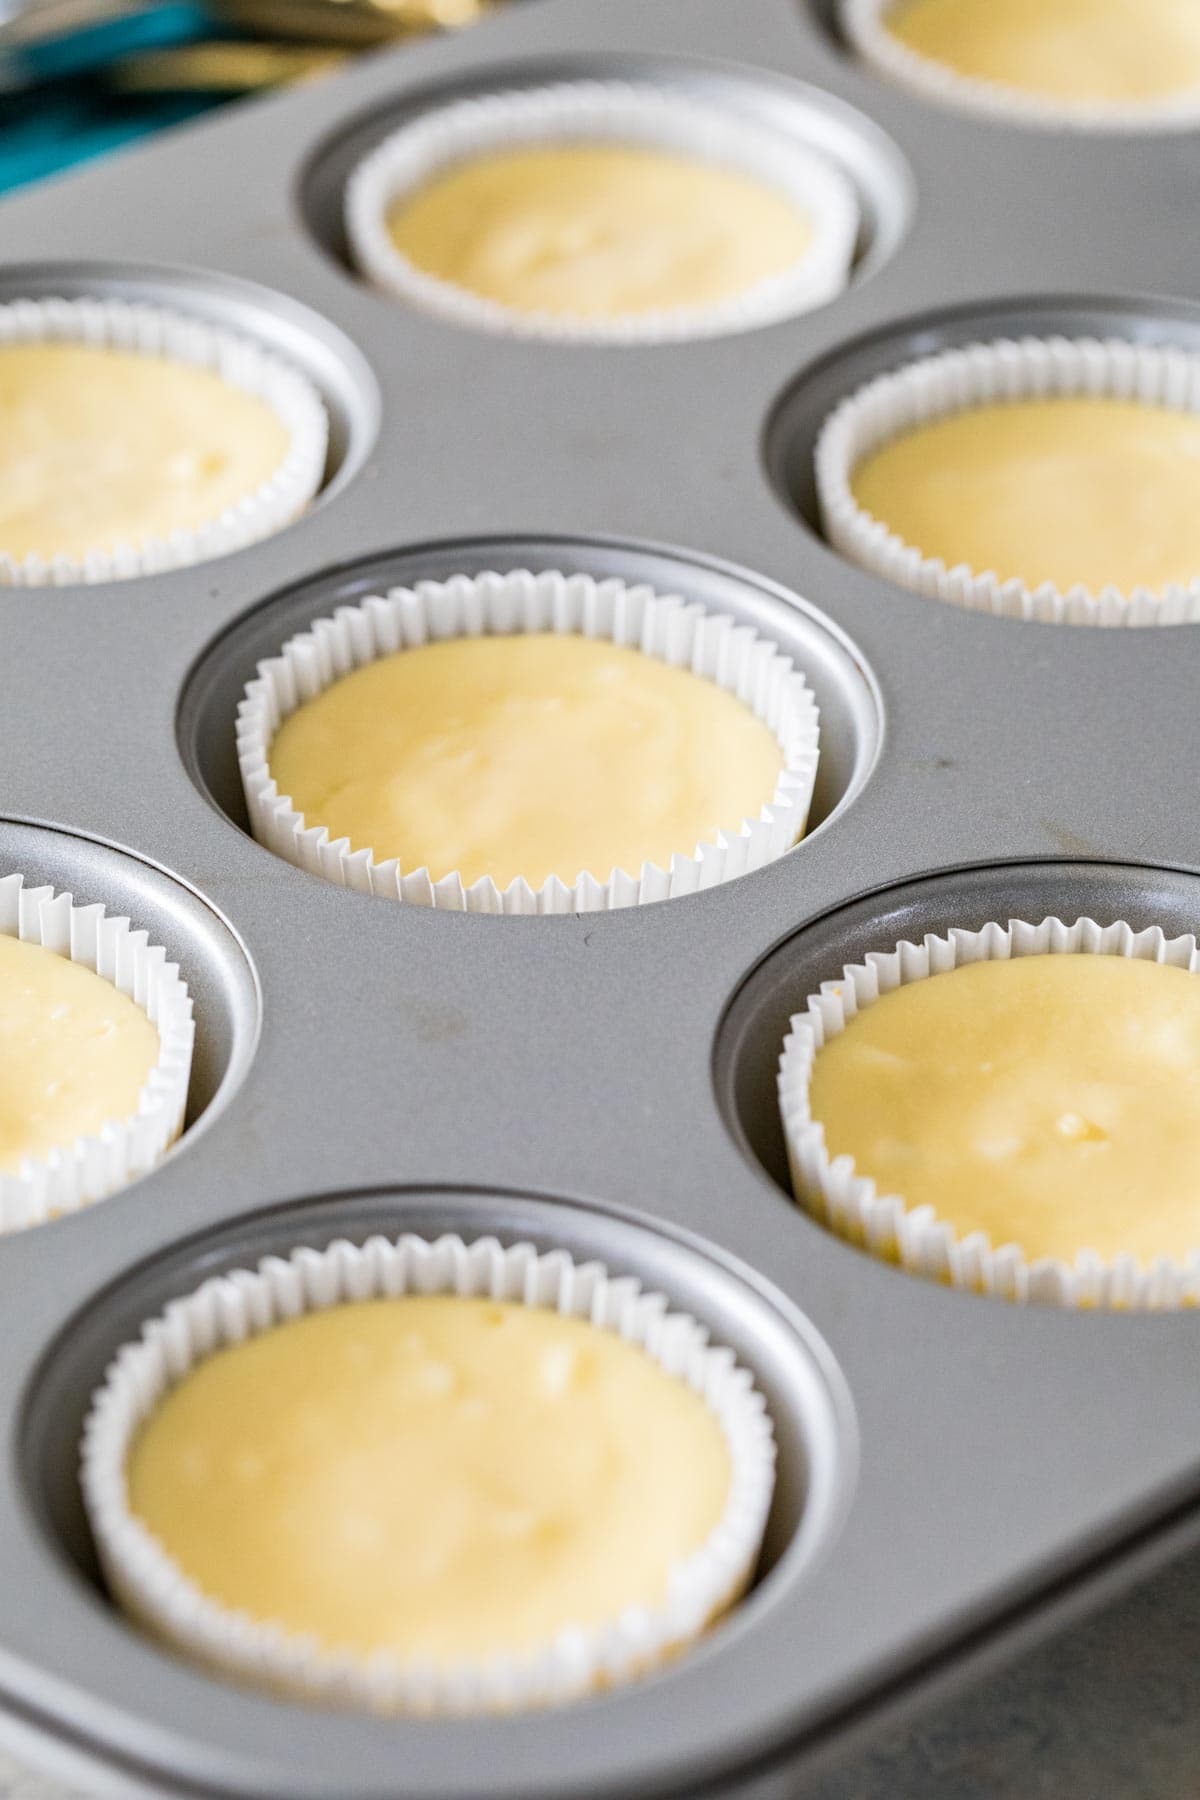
(677, 632)
(864, 25)
(156, 331)
(74, 1175)
(851, 1205)
(230, 1308)
(612, 111)
(954, 381)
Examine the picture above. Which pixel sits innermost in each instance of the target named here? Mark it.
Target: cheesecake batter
(1050, 1101)
(102, 447)
(1090, 50)
(598, 230)
(74, 1052)
(533, 755)
(434, 1476)
(1100, 492)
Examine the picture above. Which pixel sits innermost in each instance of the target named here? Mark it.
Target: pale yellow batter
(1098, 50)
(1094, 491)
(532, 755)
(103, 447)
(1051, 1101)
(439, 1477)
(598, 230)
(74, 1052)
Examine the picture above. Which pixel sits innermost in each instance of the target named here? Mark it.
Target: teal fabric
(55, 112)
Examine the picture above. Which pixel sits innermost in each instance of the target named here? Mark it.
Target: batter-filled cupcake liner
(605, 112)
(228, 1309)
(955, 381)
(863, 23)
(848, 1203)
(156, 331)
(92, 1167)
(679, 633)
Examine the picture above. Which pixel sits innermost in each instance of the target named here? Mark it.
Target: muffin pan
(955, 1473)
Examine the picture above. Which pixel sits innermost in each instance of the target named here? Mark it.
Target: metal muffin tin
(955, 1474)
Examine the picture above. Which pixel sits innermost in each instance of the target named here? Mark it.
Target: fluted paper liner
(605, 111)
(864, 25)
(850, 1204)
(679, 633)
(74, 1175)
(955, 381)
(230, 1308)
(157, 331)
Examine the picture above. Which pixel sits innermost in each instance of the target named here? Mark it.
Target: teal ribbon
(52, 116)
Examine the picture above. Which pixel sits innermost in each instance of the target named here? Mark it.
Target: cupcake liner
(863, 23)
(598, 111)
(155, 331)
(230, 1308)
(679, 633)
(954, 381)
(74, 1175)
(850, 1204)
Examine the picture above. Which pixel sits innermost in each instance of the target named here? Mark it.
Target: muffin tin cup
(954, 381)
(619, 112)
(227, 1309)
(834, 1192)
(864, 25)
(157, 331)
(93, 1167)
(678, 633)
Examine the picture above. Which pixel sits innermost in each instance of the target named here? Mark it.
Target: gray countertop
(1107, 1710)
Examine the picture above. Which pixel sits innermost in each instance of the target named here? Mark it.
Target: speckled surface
(17, 1783)
(1105, 1711)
